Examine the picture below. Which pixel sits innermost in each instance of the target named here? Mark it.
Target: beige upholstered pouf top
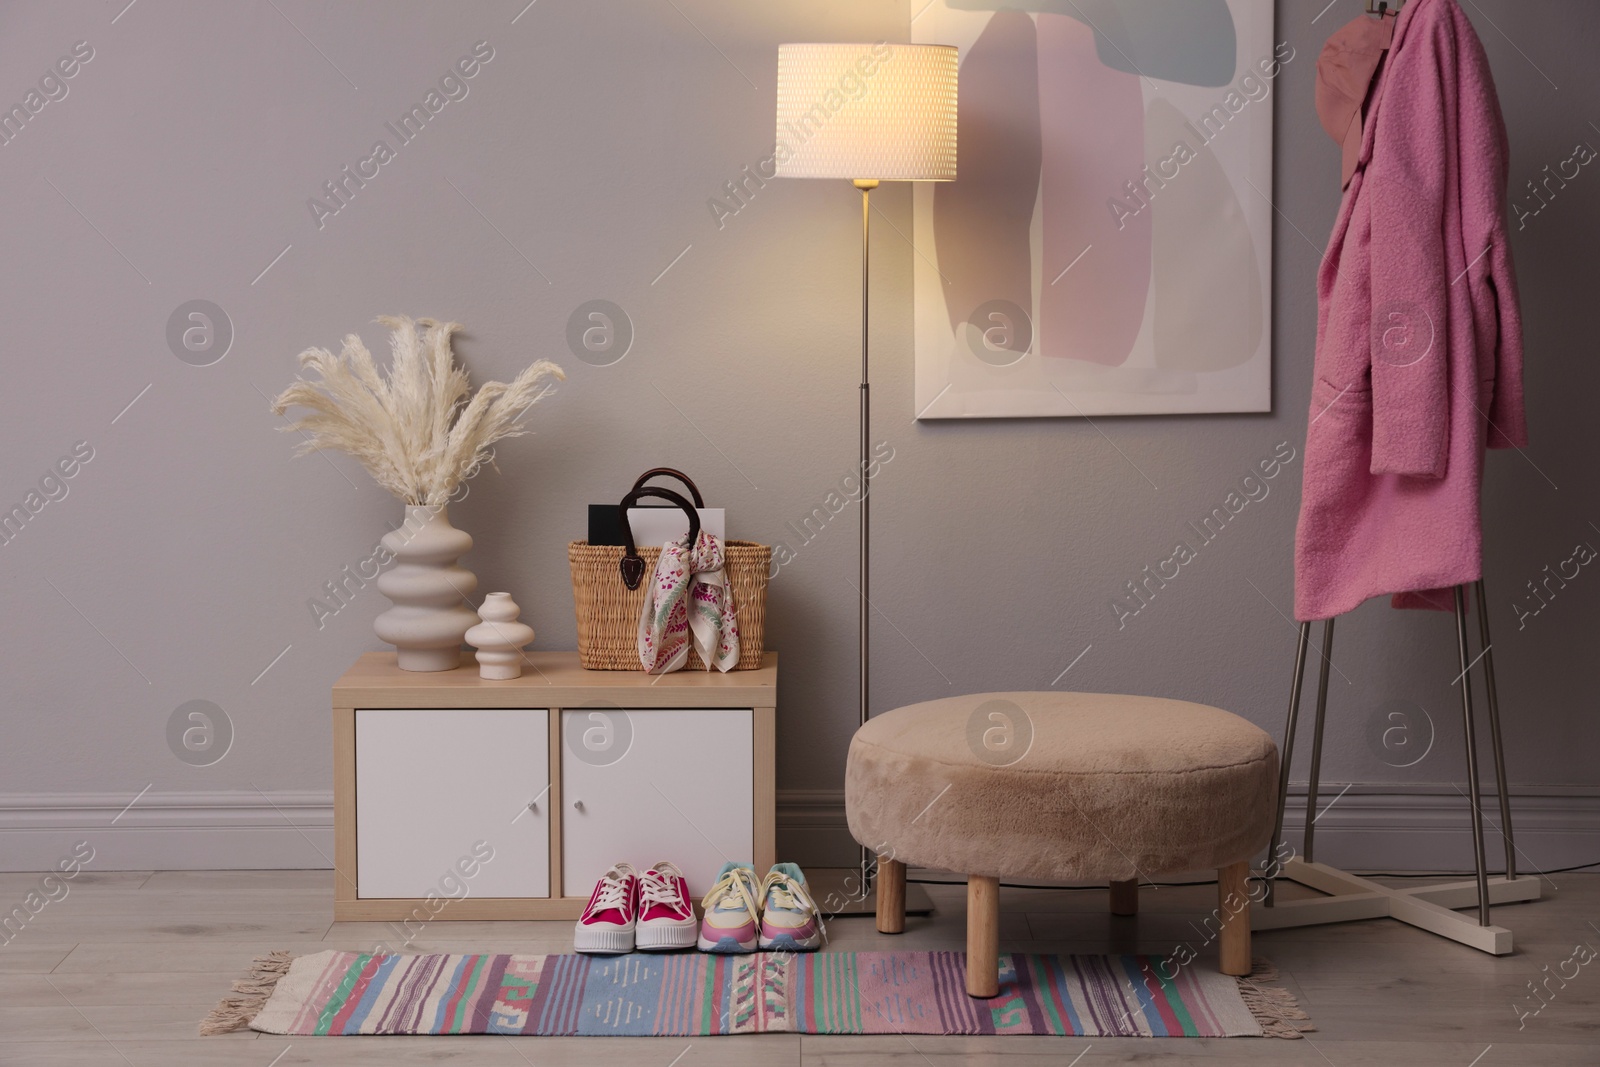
(1062, 786)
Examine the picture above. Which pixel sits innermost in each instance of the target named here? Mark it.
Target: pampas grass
(414, 429)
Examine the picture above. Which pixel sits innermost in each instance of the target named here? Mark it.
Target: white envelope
(654, 527)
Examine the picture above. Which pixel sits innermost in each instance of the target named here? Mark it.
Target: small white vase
(429, 589)
(499, 638)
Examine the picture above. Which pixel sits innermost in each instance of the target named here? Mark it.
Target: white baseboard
(168, 831)
(812, 830)
(1366, 828)
(1431, 830)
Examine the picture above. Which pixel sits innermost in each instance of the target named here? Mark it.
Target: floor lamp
(867, 113)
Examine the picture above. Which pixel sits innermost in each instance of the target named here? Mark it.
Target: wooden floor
(122, 969)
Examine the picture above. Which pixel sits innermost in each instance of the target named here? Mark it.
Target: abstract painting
(1106, 247)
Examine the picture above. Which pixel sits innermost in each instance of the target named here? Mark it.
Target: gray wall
(180, 563)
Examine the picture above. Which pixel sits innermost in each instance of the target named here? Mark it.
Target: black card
(605, 522)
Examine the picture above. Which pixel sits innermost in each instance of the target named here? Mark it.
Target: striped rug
(692, 994)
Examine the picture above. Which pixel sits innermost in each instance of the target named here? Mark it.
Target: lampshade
(879, 111)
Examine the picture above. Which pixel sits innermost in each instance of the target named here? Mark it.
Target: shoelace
(658, 886)
(736, 882)
(613, 891)
(786, 893)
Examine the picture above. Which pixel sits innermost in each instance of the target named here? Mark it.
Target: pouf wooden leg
(983, 936)
(1125, 897)
(1233, 907)
(891, 896)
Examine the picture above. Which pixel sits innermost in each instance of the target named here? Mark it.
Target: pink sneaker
(607, 926)
(732, 922)
(666, 918)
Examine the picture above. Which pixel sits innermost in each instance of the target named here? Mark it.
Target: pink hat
(1344, 74)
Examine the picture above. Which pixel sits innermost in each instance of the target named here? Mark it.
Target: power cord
(1473, 874)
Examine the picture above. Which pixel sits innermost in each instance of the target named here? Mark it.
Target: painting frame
(1132, 276)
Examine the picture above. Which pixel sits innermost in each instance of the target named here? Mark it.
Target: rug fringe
(236, 1013)
(1274, 1007)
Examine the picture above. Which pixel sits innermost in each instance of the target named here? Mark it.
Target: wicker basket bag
(608, 610)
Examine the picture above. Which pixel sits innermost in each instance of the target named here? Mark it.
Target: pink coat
(1419, 334)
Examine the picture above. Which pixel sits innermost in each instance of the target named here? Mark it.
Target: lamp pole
(866, 185)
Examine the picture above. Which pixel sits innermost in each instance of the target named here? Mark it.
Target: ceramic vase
(499, 638)
(429, 590)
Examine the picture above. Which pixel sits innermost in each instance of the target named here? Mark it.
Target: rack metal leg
(1286, 757)
(1316, 737)
(1472, 755)
(1494, 732)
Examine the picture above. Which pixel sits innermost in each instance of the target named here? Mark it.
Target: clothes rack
(1350, 897)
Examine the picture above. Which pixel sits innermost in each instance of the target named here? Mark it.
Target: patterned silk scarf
(689, 599)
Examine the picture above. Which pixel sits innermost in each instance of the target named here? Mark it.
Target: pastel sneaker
(607, 926)
(666, 918)
(789, 920)
(732, 921)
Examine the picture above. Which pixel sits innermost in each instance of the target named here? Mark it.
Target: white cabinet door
(651, 785)
(443, 803)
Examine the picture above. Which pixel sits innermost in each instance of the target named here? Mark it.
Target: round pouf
(1062, 786)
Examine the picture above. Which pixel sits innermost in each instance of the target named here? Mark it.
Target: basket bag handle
(671, 472)
(632, 564)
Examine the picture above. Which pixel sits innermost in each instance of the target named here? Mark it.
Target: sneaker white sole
(655, 938)
(604, 941)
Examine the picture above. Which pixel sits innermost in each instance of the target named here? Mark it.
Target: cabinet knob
(577, 805)
(533, 806)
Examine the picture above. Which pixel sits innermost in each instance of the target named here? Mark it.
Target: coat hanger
(1381, 8)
